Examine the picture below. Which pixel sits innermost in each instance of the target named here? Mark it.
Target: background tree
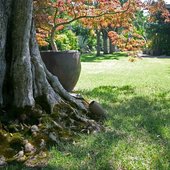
(53, 15)
(116, 21)
(133, 37)
(158, 28)
(86, 37)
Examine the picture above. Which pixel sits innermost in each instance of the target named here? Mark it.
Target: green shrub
(67, 41)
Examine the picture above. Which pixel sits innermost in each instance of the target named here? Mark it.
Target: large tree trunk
(29, 78)
(29, 92)
(3, 35)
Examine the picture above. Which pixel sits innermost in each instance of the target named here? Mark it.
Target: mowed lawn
(136, 96)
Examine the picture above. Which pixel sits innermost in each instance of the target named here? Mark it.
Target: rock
(20, 156)
(37, 161)
(42, 144)
(34, 134)
(53, 136)
(28, 147)
(20, 153)
(2, 161)
(34, 128)
(42, 154)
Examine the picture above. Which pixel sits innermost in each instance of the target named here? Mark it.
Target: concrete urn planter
(65, 65)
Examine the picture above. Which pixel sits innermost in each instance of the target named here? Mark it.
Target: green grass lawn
(136, 96)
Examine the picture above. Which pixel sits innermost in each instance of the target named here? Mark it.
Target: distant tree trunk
(105, 41)
(24, 79)
(111, 47)
(98, 48)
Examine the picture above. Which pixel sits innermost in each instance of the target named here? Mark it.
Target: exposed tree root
(39, 130)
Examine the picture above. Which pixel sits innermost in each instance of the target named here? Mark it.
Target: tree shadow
(136, 115)
(94, 58)
(22, 167)
(154, 110)
(129, 115)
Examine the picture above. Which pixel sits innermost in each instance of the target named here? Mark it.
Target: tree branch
(89, 16)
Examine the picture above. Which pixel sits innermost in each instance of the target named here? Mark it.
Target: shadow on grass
(94, 58)
(154, 111)
(134, 121)
(131, 118)
(21, 167)
(138, 116)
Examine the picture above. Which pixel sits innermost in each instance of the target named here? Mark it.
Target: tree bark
(105, 41)
(21, 58)
(111, 47)
(4, 15)
(30, 81)
(98, 47)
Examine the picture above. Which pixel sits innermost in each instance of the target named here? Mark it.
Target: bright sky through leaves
(167, 1)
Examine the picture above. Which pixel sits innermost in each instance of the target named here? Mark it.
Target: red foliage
(51, 16)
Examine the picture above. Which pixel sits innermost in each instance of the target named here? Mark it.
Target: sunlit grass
(136, 96)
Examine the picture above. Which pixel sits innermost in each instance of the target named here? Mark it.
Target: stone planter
(65, 65)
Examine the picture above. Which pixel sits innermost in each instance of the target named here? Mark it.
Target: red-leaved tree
(54, 15)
